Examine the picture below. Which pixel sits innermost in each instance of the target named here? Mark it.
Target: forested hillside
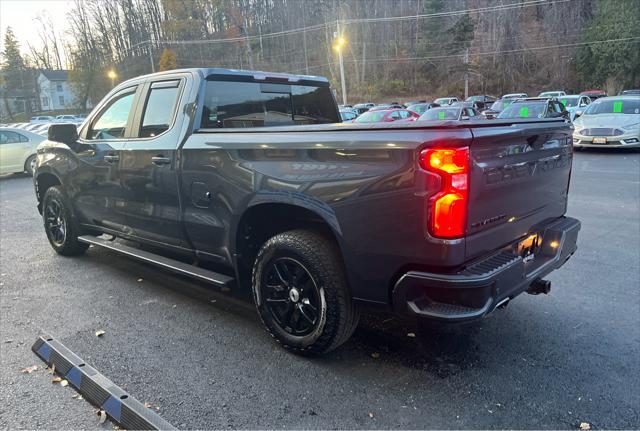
(394, 47)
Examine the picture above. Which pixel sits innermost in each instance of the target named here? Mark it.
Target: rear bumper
(478, 289)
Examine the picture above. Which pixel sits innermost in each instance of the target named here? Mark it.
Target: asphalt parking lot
(202, 359)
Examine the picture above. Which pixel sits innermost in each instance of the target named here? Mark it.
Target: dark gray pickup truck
(442, 220)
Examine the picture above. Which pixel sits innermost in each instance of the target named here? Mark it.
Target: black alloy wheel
(55, 222)
(292, 296)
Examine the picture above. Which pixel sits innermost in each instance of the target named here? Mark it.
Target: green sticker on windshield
(564, 102)
(441, 115)
(524, 112)
(617, 107)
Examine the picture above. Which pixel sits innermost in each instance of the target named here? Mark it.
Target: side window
(395, 115)
(159, 108)
(112, 121)
(9, 138)
(404, 114)
(22, 138)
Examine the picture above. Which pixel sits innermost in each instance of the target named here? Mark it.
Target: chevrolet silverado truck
(248, 181)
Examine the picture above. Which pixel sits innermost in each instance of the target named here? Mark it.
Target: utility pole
(304, 36)
(466, 74)
(153, 66)
(340, 43)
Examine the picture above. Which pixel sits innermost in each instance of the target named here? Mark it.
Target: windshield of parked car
(523, 110)
(441, 114)
(570, 102)
(613, 106)
(370, 117)
(499, 105)
(420, 108)
(442, 100)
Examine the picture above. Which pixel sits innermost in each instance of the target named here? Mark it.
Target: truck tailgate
(519, 180)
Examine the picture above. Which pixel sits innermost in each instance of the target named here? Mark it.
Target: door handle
(111, 158)
(160, 160)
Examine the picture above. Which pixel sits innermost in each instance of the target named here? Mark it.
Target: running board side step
(220, 280)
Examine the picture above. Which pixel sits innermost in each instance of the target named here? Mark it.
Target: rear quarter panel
(364, 183)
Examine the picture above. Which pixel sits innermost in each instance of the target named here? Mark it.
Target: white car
(609, 122)
(574, 104)
(514, 96)
(18, 150)
(446, 100)
(558, 93)
(66, 119)
(41, 119)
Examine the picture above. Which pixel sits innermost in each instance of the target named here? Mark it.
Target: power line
(330, 24)
(497, 8)
(507, 51)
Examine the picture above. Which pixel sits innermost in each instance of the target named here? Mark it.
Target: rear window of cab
(251, 104)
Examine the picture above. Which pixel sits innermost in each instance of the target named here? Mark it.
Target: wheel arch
(261, 221)
(43, 181)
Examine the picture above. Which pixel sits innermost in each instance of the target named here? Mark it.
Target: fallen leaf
(30, 369)
(102, 415)
(375, 355)
(174, 306)
(147, 405)
(52, 369)
(214, 301)
(584, 426)
(371, 415)
(411, 334)
(100, 333)
(64, 383)
(140, 280)
(8, 341)
(56, 379)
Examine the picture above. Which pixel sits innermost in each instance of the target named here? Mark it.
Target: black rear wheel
(60, 224)
(301, 292)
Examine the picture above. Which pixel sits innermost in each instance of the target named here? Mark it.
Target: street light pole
(339, 45)
(112, 76)
(344, 84)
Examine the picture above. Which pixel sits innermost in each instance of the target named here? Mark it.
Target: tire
(60, 223)
(30, 165)
(301, 293)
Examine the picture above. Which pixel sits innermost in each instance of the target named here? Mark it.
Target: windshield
(441, 114)
(499, 105)
(420, 108)
(570, 102)
(370, 117)
(613, 106)
(442, 100)
(524, 110)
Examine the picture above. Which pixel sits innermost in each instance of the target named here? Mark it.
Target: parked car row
(599, 120)
(65, 118)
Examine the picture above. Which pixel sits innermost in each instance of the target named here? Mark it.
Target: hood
(606, 120)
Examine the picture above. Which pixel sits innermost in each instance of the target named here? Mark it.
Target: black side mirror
(65, 133)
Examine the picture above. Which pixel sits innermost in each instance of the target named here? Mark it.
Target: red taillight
(448, 208)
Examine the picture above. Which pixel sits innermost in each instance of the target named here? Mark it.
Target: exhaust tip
(539, 286)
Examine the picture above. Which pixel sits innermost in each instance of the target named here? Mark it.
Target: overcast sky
(20, 15)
